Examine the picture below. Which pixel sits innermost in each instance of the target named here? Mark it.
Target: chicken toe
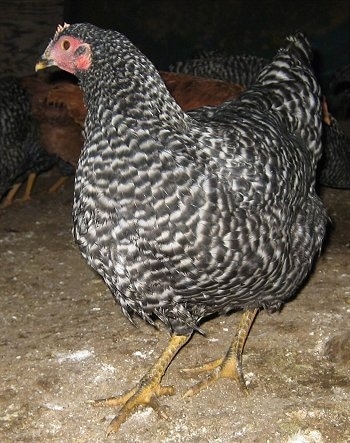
(229, 366)
(147, 391)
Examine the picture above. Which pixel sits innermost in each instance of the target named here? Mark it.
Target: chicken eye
(65, 45)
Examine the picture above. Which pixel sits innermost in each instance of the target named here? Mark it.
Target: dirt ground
(63, 342)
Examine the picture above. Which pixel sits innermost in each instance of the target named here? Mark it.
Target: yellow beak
(43, 63)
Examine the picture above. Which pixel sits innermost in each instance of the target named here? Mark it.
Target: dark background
(168, 31)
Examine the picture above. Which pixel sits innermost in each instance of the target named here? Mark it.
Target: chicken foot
(8, 199)
(147, 391)
(29, 186)
(58, 184)
(230, 366)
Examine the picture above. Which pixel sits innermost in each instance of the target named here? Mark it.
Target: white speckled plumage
(186, 215)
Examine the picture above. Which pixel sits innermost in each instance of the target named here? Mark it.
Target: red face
(69, 54)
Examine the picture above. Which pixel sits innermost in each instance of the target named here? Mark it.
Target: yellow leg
(148, 390)
(8, 200)
(229, 366)
(29, 187)
(58, 184)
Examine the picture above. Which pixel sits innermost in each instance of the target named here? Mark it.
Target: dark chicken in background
(21, 153)
(189, 215)
(240, 69)
(339, 94)
(334, 167)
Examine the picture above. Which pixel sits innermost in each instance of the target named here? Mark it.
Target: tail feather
(293, 91)
(292, 60)
(298, 47)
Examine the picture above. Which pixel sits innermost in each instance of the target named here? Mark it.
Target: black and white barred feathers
(20, 148)
(334, 170)
(186, 215)
(240, 69)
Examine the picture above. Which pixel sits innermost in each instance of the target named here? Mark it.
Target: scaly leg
(229, 366)
(58, 184)
(147, 391)
(8, 200)
(29, 187)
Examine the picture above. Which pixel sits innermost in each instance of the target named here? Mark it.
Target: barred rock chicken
(186, 217)
(21, 152)
(240, 69)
